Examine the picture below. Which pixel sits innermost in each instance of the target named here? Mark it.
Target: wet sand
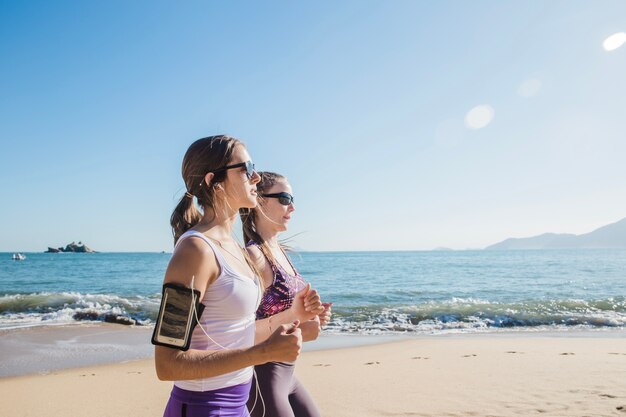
(43, 349)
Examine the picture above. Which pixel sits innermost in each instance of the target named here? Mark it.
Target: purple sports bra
(280, 295)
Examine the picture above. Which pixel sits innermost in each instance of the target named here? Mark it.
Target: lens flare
(614, 41)
(479, 117)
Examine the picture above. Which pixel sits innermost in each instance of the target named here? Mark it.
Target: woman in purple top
(279, 392)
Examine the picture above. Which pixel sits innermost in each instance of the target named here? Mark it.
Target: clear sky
(365, 105)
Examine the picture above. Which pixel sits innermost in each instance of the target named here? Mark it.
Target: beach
(506, 374)
(443, 177)
(467, 333)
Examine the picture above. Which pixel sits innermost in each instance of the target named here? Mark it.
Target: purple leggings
(223, 402)
(283, 394)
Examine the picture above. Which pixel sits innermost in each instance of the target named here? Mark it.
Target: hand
(307, 304)
(310, 329)
(325, 316)
(285, 343)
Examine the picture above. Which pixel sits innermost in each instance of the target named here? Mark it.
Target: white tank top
(229, 314)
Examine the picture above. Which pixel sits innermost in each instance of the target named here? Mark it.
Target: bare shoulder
(256, 255)
(261, 263)
(258, 258)
(192, 258)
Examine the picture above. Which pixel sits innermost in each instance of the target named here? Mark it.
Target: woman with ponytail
(282, 393)
(214, 376)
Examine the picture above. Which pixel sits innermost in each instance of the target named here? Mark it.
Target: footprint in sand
(617, 353)
(512, 351)
(469, 356)
(608, 396)
(420, 357)
(566, 353)
(372, 363)
(322, 364)
(134, 372)
(621, 408)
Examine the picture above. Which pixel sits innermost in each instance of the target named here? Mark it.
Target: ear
(208, 178)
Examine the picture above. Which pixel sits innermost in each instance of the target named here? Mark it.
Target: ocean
(421, 292)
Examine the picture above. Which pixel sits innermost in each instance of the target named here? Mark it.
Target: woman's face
(271, 213)
(239, 190)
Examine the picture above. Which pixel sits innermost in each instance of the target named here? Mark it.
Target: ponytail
(184, 217)
(248, 221)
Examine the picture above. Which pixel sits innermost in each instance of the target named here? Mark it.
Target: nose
(291, 207)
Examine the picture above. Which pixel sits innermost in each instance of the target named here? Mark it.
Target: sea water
(421, 292)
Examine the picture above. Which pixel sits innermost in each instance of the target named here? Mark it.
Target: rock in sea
(115, 318)
(72, 247)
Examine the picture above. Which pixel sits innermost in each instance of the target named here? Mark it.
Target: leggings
(283, 394)
(222, 402)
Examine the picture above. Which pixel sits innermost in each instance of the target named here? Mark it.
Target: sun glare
(479, 117)
(614, 41)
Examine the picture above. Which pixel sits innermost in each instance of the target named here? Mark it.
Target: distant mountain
(609, 236)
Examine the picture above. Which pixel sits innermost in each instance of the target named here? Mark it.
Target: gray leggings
(283, 394)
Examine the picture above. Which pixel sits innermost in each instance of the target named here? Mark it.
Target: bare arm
(195, 258)
(173, 364)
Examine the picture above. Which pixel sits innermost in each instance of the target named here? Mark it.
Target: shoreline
(47, 349)
(477, 375)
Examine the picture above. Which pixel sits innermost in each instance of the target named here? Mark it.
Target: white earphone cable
(256, 379)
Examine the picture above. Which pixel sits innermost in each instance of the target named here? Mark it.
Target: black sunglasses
(283, 198)
(248, 164)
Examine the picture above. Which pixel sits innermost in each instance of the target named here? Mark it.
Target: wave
(458, 314)
(454, 314)
(25, 310)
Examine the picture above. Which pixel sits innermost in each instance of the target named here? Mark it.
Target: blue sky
(362, 104)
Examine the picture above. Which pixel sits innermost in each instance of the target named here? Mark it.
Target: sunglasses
(283, 198)
(248, 164)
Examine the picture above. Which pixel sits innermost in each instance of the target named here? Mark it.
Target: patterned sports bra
(280, 295)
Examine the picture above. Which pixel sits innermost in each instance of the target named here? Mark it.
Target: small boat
(18, 257)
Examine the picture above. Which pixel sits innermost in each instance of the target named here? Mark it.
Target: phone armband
(177, 316)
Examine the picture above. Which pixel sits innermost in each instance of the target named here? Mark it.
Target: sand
(478, 375)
